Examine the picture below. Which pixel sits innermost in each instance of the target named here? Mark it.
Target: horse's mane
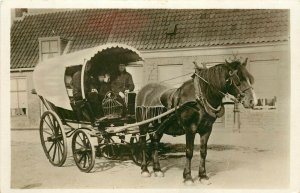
(214, 75)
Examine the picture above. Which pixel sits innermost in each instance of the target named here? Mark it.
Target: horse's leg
(203, 152)
(187, 174)
(143, 131)
(155, 139)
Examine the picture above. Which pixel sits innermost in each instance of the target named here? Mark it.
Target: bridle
(229, 82)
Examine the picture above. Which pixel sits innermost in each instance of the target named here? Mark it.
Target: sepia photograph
(149, 98)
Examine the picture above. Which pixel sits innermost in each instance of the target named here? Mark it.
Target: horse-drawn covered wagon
(67, 115)
(155, 110)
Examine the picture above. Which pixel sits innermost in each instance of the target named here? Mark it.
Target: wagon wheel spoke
(58, 151)
(89, 158)
(81, 139)
(47, 132)
(61, 150)
(61, 142)
(84, 165)
(48, 125)
(81, 157)
(54, 153)
(86, 140)
(50, 122)
(56, 124)
(59, 130)
(79, 144)
(50, 148)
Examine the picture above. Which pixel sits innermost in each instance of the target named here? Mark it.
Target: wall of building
(31, 120)
(269, 64)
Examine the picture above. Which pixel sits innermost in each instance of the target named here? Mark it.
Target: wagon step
(134, 127)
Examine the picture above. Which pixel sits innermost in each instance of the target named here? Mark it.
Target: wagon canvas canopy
(49, 75)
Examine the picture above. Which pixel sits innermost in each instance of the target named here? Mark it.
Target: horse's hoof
(205, 181)
(158, 174)
(188, 182)
(145, 174)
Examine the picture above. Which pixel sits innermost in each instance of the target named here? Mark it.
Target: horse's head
(239, 83)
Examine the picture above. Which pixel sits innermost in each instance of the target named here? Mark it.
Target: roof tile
(146, 29)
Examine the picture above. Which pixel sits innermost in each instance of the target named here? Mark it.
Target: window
(172, 28)
(266, 103)
(49, 47)
(137, 75)
(171, 74)
(18, 95)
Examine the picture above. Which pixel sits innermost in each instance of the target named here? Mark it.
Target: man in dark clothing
(122, 84)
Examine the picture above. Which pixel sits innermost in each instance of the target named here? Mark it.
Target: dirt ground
(250, 159)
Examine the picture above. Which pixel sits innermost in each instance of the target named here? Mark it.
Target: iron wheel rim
(53, 138)
(83, 151)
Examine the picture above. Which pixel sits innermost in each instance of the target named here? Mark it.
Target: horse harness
(202, 101)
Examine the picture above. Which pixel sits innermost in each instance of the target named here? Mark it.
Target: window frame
(18, 91)
(48, 39)
(265, 107)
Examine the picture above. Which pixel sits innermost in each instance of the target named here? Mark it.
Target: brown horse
(198, 103)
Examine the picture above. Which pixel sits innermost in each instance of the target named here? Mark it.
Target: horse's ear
(226, 62)
(230, 66)
(245, 62)
(196, 65)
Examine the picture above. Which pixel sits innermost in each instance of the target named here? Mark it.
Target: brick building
(170, 40)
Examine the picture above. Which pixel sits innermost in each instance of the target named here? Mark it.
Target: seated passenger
(76, 85)
(103, 85)
(122, 84)
(103, 88)
(90, 89)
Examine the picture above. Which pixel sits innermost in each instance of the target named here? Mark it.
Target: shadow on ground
(168, 151)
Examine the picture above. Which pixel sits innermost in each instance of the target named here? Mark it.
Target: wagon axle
(54, 138)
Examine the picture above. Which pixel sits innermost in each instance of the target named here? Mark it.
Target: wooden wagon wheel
(136, 150)
(53, 138)
(109, 149)
(83, 150)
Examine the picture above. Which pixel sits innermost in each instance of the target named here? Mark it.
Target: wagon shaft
(135, 125)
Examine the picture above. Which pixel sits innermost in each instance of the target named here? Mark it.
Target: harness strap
(213, 112)
(176, 103)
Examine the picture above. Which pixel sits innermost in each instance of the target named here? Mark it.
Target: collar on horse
(213, 112)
